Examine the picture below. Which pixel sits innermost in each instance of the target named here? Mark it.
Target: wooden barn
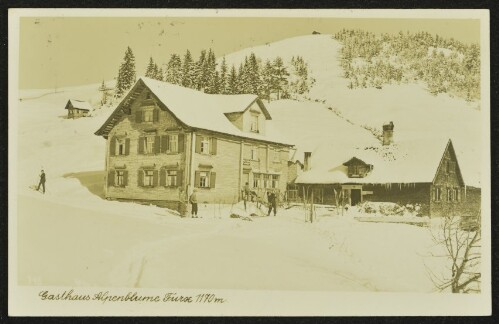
(424, 172)
(78, 108)
(163, 140)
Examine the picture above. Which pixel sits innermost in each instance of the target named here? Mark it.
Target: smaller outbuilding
(78, 108)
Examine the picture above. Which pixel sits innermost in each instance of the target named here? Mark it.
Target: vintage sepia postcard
(249, 162)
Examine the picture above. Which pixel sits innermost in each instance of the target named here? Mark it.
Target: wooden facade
(445, 195)
(153, 157)
(76, 112)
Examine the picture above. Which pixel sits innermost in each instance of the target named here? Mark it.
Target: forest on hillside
(270, 79)
(444, 65)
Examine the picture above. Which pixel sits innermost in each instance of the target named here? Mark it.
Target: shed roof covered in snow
(79, 104)
(415, 161)
(197, 109)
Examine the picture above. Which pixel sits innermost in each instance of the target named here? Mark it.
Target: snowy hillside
(73, 236)
(416, 113)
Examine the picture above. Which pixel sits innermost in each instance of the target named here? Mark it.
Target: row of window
(149, 144)
(150, 178)
(173, 144)
(266, 181)
(451, 194)
(275, 154)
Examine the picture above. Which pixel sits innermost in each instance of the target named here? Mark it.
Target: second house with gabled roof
(164, 140)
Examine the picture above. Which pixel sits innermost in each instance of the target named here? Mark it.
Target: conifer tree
(174, 70)
(223, 77)
(188, 71)
(126, 75)
(232, 83)
(200, 72)
(150, 73)
(280, 73)
(268, 80)
(210, 70)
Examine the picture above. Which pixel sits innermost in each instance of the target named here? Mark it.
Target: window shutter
(155, 178)
(157, 143)
(213, 177)
(164, 143)
(196, 179)
(140, 178)
(138, 116)
(110, 178)
(162, 177)
(112, 146)
(213, 146)
(180, 178)
(155, 115)
(125, 178)
(141, 145)
(127, 146)
(180, 143)
(198, 144)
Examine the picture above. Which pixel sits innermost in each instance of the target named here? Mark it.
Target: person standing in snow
(271, 198)
(194, 203)
(42, 182)
(246, 194)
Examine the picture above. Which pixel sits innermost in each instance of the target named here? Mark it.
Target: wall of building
(129, 128)
(444, 180)
(227, 163)
(402, 194)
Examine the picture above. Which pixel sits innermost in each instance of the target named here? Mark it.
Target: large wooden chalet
(424, 172)
(164, 140)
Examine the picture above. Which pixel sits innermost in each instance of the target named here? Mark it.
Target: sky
(56, 52)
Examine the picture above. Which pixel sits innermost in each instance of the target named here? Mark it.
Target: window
(254, 153)
(120, 178)
(254, 123)
(148, 115)
(204, 179)
(148, 178)
(257, 180)
(149, 149)
(205, 146)
(275, 181)
(457, 194)
(120, 146)
(437, 193)
(450, 194)
(173, 144)
(266, 181)
(171, 179)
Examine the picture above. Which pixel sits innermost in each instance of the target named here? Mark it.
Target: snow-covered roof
(203, 111)
(79, 104)
(414, 161)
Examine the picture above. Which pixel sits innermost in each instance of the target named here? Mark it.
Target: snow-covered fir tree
(232, 82)
(126, 74)
(223, 77)
(174, 70)
(188, 76)
(150, 73)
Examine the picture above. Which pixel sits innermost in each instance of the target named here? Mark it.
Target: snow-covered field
(72, 236)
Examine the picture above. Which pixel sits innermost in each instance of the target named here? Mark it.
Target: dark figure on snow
(246, 194)
(194, 202)
(271, 198)
(42, 182)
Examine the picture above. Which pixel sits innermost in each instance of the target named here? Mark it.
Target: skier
(42, 182)
(194, 202)
(271, 198)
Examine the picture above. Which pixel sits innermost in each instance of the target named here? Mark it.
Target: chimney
(388, 133)
(306, 161)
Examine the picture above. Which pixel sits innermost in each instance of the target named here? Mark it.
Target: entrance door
(355, 196)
